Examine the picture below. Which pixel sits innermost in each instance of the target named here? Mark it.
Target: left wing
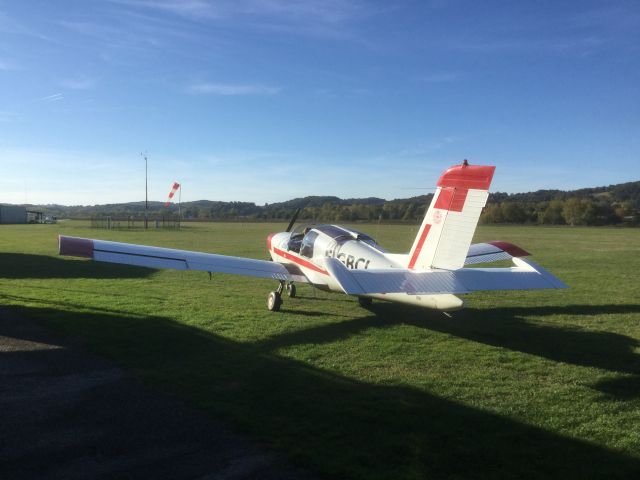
(157, 257)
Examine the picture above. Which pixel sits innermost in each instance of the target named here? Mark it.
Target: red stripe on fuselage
(416, 253)
(300, 261)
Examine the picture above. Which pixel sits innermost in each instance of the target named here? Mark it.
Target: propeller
(291, 223)
(293, 219)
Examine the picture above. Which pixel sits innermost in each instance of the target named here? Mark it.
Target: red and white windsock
(174, 188)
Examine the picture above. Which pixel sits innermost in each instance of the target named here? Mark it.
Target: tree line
(612, 205)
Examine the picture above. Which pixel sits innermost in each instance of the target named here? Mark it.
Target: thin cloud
(50, 98)
(328, 19)
(81, 83)
(225, 89)
(11, 26)
(331, 11)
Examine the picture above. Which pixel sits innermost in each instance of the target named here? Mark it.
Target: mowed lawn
(519, 385)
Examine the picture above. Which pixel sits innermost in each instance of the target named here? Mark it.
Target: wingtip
(75, 247)
(510, 248)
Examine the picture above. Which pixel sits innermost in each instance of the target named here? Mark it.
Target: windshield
(299, 229)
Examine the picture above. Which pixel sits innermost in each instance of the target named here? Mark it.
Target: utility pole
(146, 194)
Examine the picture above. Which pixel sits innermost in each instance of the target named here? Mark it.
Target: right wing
(157, 257)
(525, 275)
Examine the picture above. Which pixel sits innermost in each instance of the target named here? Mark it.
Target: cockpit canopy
(303, 236)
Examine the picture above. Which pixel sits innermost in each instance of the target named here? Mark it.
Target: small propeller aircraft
(341, 259)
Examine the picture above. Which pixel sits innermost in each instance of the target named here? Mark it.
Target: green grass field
(519, 385)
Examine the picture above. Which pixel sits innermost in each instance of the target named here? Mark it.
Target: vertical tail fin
(447, 229)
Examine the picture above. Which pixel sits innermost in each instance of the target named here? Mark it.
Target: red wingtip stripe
(510, 248)
(75, 247)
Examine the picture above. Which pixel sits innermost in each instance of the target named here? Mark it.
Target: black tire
(365, 302)
(291, 290)
(274, 300)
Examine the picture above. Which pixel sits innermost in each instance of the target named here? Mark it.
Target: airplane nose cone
(269, 237)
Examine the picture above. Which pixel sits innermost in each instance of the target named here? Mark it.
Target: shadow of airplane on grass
(341, 427)
(24, 265)
(507, 328)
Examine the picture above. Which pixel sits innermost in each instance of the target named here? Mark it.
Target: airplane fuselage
(305, 254)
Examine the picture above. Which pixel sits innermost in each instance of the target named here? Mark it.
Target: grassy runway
(520, 385)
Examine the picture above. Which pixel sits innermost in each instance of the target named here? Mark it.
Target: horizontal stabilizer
(492, 252)
(156, 257)
(525, 275)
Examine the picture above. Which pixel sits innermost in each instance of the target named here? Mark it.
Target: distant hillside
(615, 204)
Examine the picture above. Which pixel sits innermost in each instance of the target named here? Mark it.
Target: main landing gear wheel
(291, 290)
(365, 302)
(274, 300)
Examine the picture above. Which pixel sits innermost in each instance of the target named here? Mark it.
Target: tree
(552, 215)
(513, 212)
(492, 213)
(578, 211)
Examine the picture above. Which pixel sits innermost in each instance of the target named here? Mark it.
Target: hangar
(13, 214)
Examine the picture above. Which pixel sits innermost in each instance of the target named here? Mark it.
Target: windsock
(174, 188)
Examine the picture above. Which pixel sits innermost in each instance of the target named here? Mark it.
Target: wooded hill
(612, 205)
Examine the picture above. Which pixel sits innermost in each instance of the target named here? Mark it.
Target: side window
(306, 249)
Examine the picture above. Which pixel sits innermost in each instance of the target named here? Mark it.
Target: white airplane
(340, 259)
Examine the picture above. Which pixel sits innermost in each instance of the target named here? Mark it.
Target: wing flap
(157, 257)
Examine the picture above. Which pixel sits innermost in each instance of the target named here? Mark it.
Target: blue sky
(266, 100)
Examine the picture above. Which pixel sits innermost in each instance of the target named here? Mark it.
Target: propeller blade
(293, 220)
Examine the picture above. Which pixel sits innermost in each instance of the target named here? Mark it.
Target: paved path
(66, 413)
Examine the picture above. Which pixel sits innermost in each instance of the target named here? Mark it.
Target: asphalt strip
(67, 413)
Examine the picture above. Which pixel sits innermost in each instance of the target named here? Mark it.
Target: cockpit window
(341, 235)
(338, 234)
(307, 244)
(297, 234)
(372, 243)
(295, 241)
